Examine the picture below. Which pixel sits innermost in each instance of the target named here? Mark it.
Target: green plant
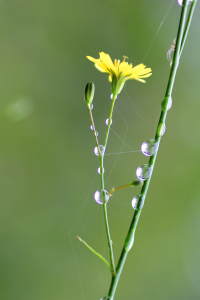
(118, 74)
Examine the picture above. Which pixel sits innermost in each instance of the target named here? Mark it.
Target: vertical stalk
(103, 192)
(181, 36)
(110, 120)
(104, 195)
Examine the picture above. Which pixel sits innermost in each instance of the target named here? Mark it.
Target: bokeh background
(48, 171)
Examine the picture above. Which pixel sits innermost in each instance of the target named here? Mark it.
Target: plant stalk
(104, 195)
(180, 41)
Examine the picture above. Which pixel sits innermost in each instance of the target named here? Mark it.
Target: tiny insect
(172, 48)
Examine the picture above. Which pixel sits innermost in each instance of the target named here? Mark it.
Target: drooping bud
(136, 182)
(89, 93)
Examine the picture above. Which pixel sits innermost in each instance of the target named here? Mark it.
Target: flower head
(118, 71)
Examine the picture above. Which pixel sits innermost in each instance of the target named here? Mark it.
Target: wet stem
(116, 272)
(180, 41)
(102, 189)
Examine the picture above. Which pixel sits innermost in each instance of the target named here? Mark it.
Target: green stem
(93, 128)
(91, 249)
(190, 14)
(130, 236)
(110, 120)
(104, 195)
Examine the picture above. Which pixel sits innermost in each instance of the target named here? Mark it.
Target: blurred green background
(48, 172)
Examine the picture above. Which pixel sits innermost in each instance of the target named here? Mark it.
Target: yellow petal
(107, 61)
(124, 66)
(92, 59)
(144, 76)
(101, 67)
(141, 80)
(138, 71)
(98, 64)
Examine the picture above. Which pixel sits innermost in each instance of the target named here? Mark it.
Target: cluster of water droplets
(95, 132)
(99, 196)
(101, 149)
(135, 202)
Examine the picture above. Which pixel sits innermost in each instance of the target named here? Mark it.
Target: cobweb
(121, 158)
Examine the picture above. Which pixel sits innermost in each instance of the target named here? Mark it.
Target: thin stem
(110, 120)
(91, 249)
(190, 14)
(130, 236)
(93, 128)
(119, 188)
(101, 155)
(106, 216)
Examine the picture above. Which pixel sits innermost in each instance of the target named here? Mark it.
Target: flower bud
(89, 92)
(136, 182)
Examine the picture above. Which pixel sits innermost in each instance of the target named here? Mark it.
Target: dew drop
(161, 129)
(96, 151)
(99, 170)
(91, 127)
(96, 133)
(107, 121)
(166, 103)
(149, 147)
(97, 197)
(91, 106)
(135, 202)
(111, 97)
(143, 172)
(180, 2)
(101, 148)
(101, 196)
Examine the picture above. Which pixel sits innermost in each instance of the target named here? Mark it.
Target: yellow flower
(119, 72)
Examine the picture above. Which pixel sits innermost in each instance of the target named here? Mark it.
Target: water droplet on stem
(97, 197)
(143, 172)
(101, 148)
(149, 147)
(135, 202)
(100, 171)
(101, 197)
(161, 129)
(111, 97)
(107, 121)
(166, 103)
